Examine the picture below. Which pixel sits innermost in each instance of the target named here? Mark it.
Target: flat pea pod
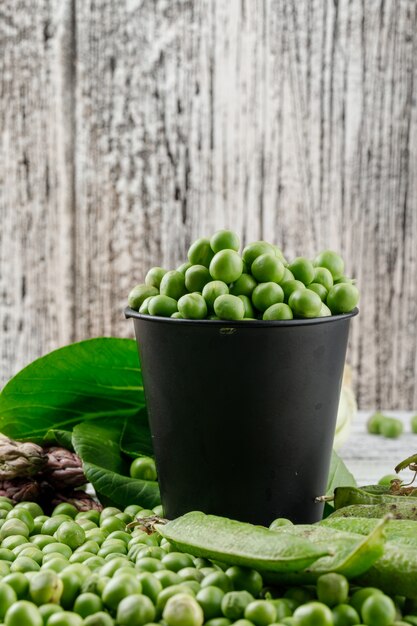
(396, 531)
(406, 509)
(351, 553)
(239, 543)
(345, 496)
(395, 572)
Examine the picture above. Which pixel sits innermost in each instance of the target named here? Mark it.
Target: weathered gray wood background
(129, 128)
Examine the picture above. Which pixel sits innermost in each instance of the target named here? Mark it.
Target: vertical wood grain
(36, 199)
(293, 121)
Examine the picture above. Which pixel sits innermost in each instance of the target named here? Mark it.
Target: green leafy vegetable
(98, 446)
(88, 380)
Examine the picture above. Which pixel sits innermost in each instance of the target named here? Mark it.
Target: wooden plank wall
(128, 129)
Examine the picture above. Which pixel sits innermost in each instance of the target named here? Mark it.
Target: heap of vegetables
(218, 283)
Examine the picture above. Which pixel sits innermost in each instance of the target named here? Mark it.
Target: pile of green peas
(219, 283)
(91, 569)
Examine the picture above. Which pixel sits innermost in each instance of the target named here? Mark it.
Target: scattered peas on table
(217, 282)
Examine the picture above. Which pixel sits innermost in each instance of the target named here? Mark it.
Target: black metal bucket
(242, 414)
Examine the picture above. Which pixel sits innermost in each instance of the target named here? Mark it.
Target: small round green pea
(183, 610)
(71, 534)
(266, 294)
(288, 275)
(228, 307)
(246, 579)
(163, 306)
(192, 306)
(313, 613)
(196, 277)
(303, 270)
(345, 615)
(255, 249)
(386, 480)
(143, 309)
(210, 599)
(138, 294)
(324, 311)
(305, 303)
(323, 276)
(200, 252)
(224, 240)
(183, 267)
(249, 312)
(342, 298)
(391, 427)
(332, 589)
(173, 285)
(213, 290)
(154, 276)
(243, 286)
(414, 424)
(177, 316)
(278, 311)
(331, 261)
(378, 610)
(260, 613)
(267, 268)
(289, 286)
(320, 290)
(226, 265)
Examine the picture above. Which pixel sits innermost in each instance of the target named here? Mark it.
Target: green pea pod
(346, 496)
(405, 510)
(352, 554)
(239, 543)
(403, 532)
(394, 573)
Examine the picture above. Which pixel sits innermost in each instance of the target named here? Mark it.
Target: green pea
(226, 266)
(24, 564)
(183, 610)
(278, 311)
(332, 589)
(173, 285)
(378, 610)
(13, 527)
(288, 275)
(243, 286)
(196, 277)
(33, 508)
(192, 306)
(99, 619)
(48, 609)
(177, 316)
(213, 290)
(229, 307)
(245, 579)
(144, 307)
(345, 615)
(319, 290)
(324, 277)
(358, 597)
(313, 614)
(51, 525)
(255, 249)
(342, 298)
(210, 599)
(302, 269)
(234, 604)
(249, 312)
(45, 587)
(224, 240)
(23, 613)
(391, 427)
(163, 306)
(217, 579)
(176, 561)
(167, 578)
(138, 294)
(414, 424)
(267, 268)
(289, 286)
(154, 276)
(151, 586)
(65, 618)
(324, 311)
(386, 480)
(305, 303)
(266, 294)
(373, 423)
(8, 597)
(219, 621)
(331, 261)
(183, 268)
(260, 613)
(200, 252)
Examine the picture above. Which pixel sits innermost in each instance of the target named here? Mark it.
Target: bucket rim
(308, 321)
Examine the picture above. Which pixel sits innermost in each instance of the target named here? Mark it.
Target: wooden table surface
(369, 457)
